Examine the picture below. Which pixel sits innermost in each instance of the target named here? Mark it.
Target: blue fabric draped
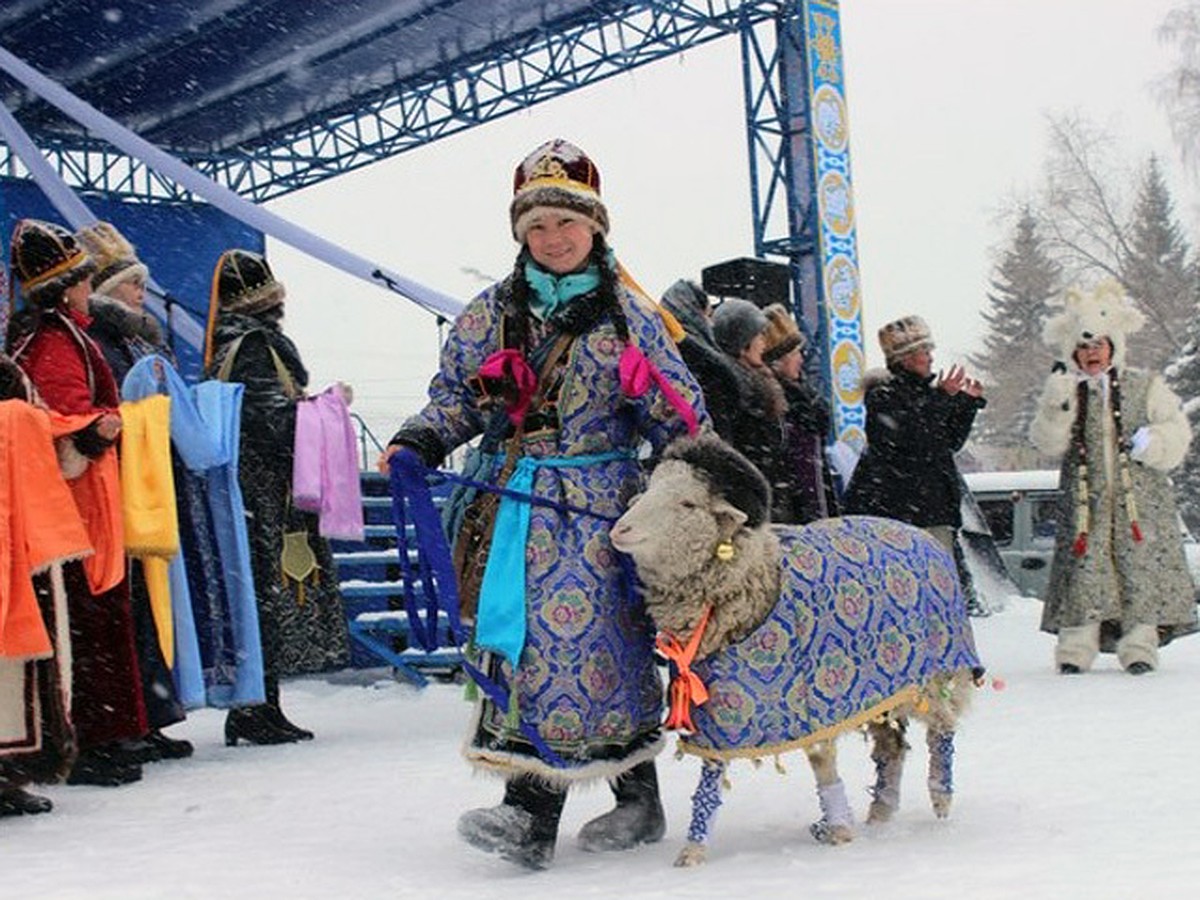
(411, 498)
(500, 624)
(236, 677)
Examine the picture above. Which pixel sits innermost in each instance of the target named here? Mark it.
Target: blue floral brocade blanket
(870, 610)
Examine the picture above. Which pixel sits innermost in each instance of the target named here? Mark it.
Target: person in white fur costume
(1119, 581)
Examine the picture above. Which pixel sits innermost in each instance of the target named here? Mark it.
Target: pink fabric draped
(325, 466)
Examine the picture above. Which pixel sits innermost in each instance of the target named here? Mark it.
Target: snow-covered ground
(1068, 787)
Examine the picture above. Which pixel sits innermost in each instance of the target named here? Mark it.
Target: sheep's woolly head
(1104, 311)
(729, 475)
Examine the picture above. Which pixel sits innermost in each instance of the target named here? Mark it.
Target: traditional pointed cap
(46, 260)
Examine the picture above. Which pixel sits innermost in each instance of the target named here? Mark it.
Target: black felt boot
(282, 721)
(255, 725)
(637, 819)
(524, 828)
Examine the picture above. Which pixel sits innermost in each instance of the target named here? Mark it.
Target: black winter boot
(281, 721)
(255, 725)
(637, 819)
(524, 828)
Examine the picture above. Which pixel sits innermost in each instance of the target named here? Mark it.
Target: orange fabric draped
(97, 494)
(38, 525)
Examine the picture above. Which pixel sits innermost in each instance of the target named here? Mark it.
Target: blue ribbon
(500, 621)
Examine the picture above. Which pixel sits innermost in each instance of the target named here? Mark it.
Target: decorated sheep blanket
(870, 610)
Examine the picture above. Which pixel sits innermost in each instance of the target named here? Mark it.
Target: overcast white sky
(947, 104)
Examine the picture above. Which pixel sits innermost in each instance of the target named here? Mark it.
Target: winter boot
(523, 829)
(280, 720)
(637, 819)
(255, 725)
(941, 771)
(101, 766)
(887, 752)
(15, 801)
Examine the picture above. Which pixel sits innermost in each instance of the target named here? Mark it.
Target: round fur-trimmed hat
(904, 336)
(783, 334)
(557, 175)
(116, 260)
(244, 283)
(46, 259)
(736, 322)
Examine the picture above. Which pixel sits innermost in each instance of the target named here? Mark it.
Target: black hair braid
(516, 307)
(609, 289)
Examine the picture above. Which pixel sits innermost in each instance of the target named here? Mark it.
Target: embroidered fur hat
(904, 336)
(1103, 312)
(116, 260)
(729, 474)
(736, 322)
(244, 283)
(783, 334)
(557, 175)
(46, 259)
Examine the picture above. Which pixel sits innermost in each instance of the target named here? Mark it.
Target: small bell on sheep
(725, 551)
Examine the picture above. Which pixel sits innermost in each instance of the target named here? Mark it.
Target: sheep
(811, 631)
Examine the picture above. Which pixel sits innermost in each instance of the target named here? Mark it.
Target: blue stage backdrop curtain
(180, 242)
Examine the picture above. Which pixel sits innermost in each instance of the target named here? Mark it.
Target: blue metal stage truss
(270, 96)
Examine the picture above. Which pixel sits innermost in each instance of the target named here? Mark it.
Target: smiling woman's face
(1093, 357)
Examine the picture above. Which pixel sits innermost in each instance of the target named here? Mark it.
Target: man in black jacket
(916, 422)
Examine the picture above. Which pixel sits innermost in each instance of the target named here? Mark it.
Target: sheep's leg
(836, 825)
(705, 803)
(941, 770)
(888, 748)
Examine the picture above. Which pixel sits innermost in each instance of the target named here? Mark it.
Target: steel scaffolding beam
(513, 75)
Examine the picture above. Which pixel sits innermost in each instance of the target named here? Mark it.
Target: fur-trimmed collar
(113, 315)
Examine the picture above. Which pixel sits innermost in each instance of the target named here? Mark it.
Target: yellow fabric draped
(148, 504)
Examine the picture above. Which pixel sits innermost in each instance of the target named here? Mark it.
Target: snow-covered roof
(1025, 480)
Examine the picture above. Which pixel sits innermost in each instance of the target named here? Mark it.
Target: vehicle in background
(1019, 509)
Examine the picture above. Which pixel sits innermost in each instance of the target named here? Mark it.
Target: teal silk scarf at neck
(551, 291)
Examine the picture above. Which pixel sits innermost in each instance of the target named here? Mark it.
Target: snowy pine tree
(1156, 273)
(1184, 378)
(1015, 361)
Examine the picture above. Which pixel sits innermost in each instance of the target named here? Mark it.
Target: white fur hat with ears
(1105, 311)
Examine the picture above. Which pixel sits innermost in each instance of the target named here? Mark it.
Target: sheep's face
(673, 529)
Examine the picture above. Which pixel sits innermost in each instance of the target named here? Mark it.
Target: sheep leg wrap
(705, 802)
(941, 770)
(836, 817)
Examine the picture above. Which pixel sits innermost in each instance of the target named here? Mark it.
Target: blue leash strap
(408, 480)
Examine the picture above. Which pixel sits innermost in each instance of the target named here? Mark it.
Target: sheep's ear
(729, 518)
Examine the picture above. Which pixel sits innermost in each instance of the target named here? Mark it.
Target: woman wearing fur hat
(121, 325)
(300, 632)
(805, 491)
(1119, 581)
(689, 304)
(760, 417)
(125, 332)
(49, 341)
(540, 365)
(916, 422)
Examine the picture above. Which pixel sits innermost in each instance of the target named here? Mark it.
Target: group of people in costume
(143, 574)
(535, 368)
(569, 382)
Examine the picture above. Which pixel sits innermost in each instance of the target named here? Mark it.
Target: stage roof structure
(269, 96)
